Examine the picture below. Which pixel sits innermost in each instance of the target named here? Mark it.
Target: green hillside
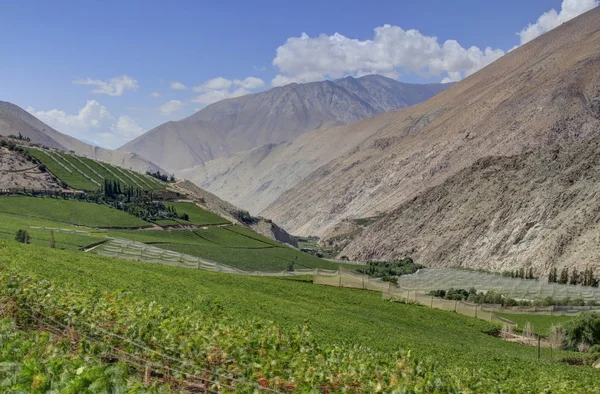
(231, 245)
(69, 212)
(465, 357)
(81, 173)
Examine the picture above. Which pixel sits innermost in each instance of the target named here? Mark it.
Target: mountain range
(495, 172)
(498, 171)
(271, 117)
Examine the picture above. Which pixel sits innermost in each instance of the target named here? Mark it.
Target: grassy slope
(542, 324)
(74, 179)
(77, 181)
(198, 216)
(247, 251)
(9, 224)
(69, 211)
(336, 315)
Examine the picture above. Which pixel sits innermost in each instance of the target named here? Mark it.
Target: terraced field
(234, 246)
(69, 212)
(85, 174)
(454, 353)
(231, 245)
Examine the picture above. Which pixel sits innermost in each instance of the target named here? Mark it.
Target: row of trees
(389, 271)
(494, 297)
(584, 278)
(520, 273)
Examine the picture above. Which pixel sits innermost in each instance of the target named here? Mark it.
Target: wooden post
(539, 347)
(147, 375)
(475, 310)
(432, 302)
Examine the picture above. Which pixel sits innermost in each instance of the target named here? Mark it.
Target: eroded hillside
(538, 209)
(544, 92)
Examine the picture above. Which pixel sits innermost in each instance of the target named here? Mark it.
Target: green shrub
(22, 236)
(585, 329)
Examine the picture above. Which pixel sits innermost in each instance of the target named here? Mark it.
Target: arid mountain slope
(543, 92)
(18, 173)
(538, 209)
(270, 117)
(13, 125)
(255, 178)
(15, 120)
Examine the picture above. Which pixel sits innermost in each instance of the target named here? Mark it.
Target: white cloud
(114, 87)
(551, 19)
(91, 116)
(155, 94)
(217, 95)
(250, 83)
(178, 86)
(170, 107)
(218, 83)
(391, 51)
(127, 127)
(220, 88)
(92, 123)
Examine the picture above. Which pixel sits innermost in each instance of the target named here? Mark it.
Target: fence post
(539, 343)
(363, 282)
(455, 305)
(431, 302)
(475, 310)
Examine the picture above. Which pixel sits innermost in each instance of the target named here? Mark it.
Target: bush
(583, 329)
(22, 236)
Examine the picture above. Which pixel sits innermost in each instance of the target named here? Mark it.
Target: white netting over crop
(429, 279)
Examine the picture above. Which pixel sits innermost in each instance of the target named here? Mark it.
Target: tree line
(576, 277)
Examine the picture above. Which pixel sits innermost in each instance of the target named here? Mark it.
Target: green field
(198, 216)
(542, 324)
(69, 168)
(462, 347)
(69, 212)
(232, 245)
(9, 224)
(72, 178)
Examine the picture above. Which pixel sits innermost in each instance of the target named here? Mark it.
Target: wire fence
(62, 230)
(410, 288)
(183, 372)
(429, 279)
(132, 250)
(419, 295)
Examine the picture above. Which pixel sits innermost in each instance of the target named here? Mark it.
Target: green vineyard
(81, 173)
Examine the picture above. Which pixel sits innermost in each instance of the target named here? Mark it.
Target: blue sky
(105, 71)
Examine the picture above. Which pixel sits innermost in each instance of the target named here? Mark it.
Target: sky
(107, 71)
